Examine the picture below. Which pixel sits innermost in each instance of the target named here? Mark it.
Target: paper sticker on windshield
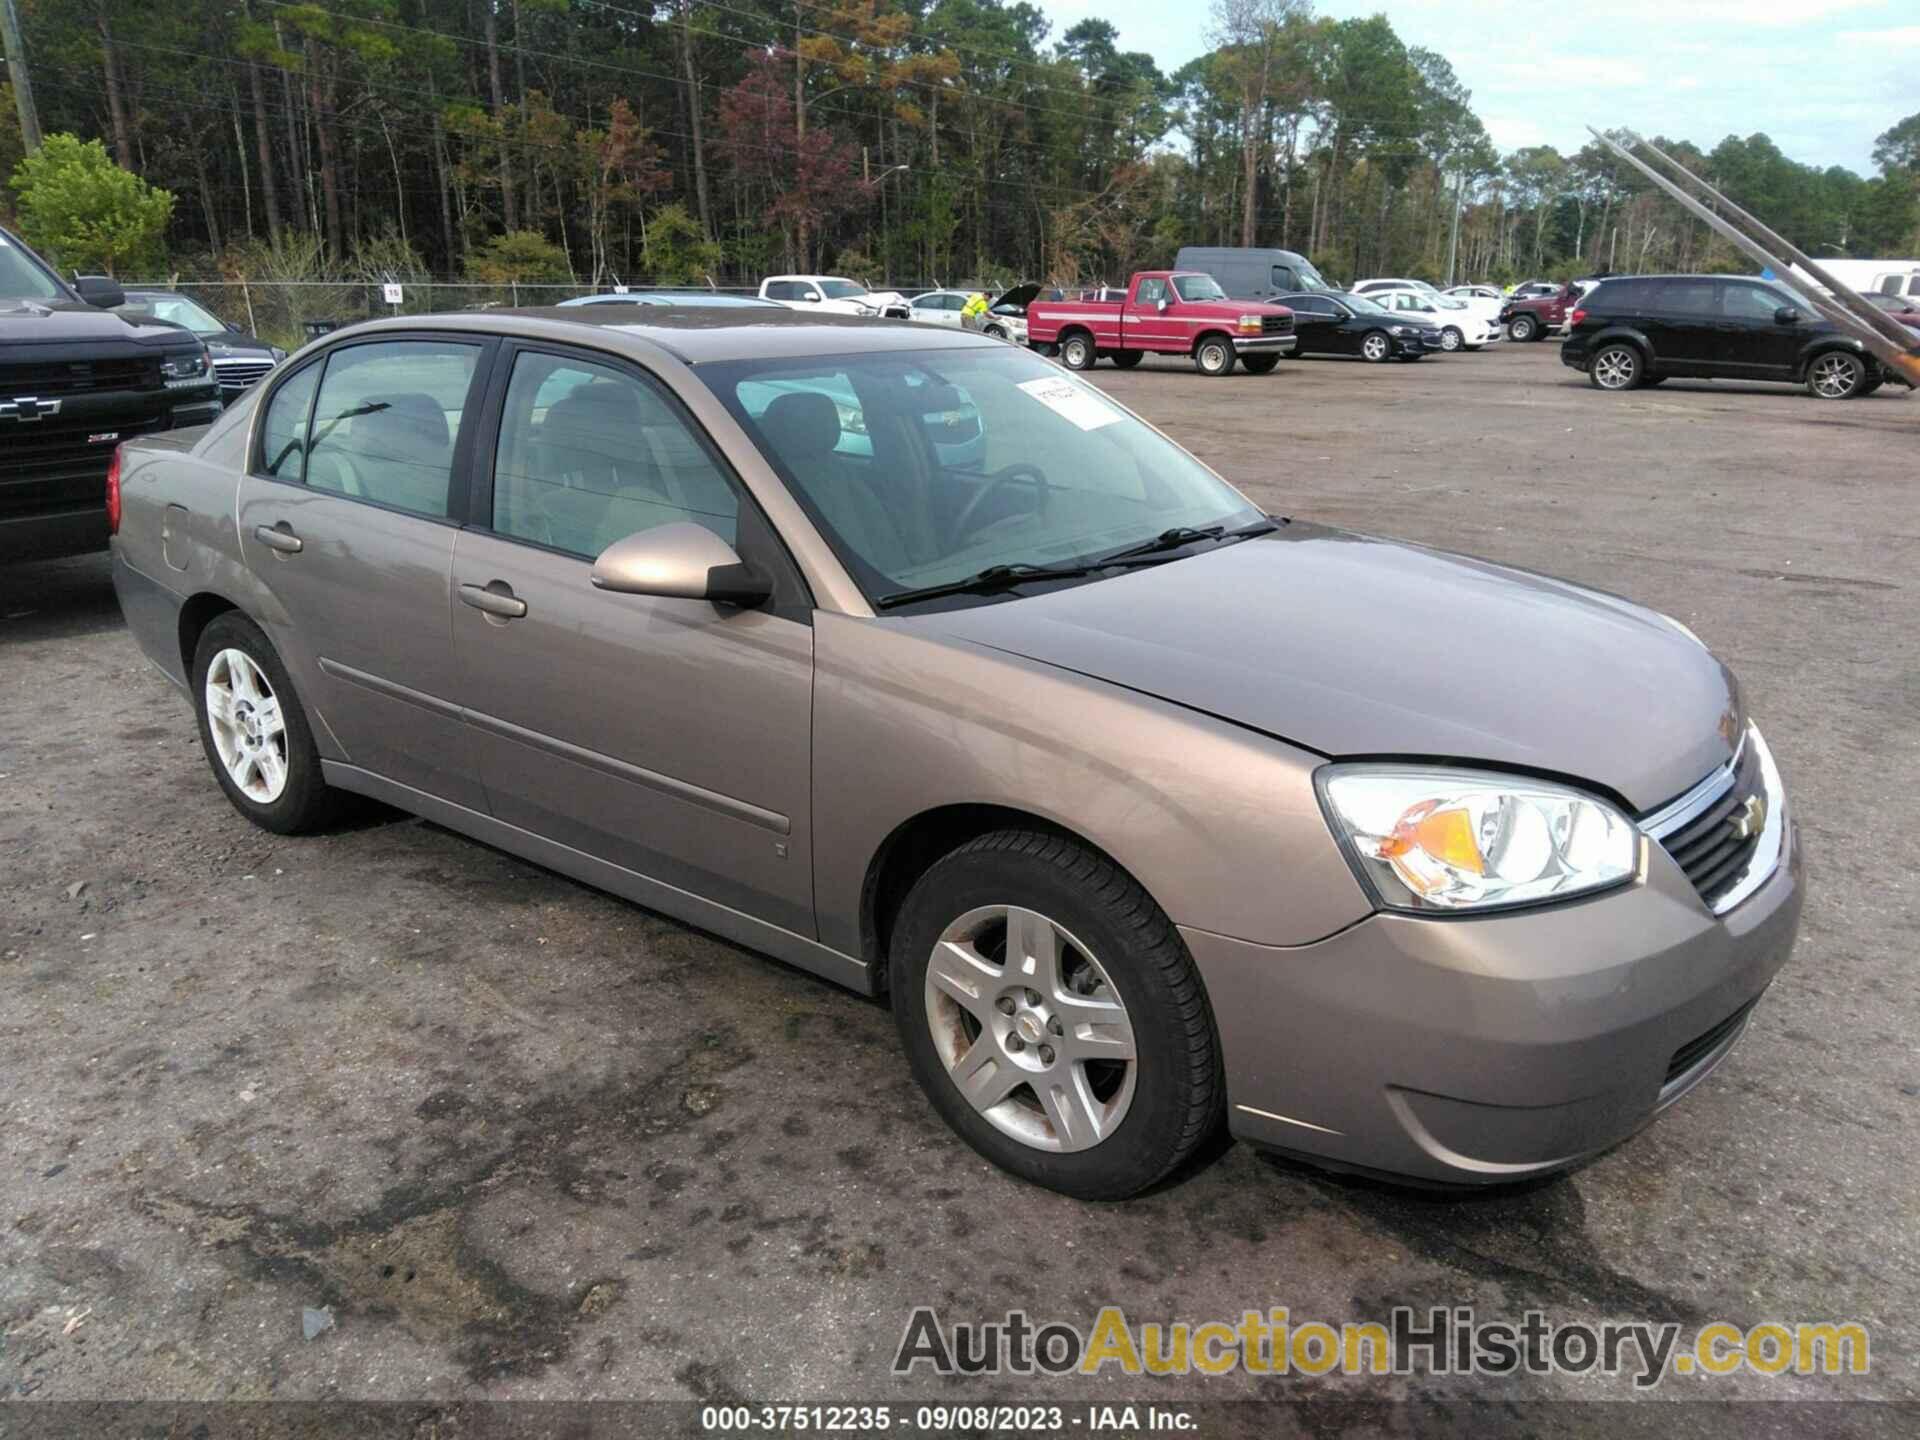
(1072, 402)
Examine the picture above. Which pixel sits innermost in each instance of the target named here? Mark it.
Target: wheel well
(912, 849)
(1206, 335)
(1806, 361)
(1071, 331)
(195, 616)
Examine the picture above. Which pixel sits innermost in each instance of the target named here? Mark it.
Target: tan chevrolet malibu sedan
(914, 661)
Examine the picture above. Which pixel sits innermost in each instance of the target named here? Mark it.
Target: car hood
(1355, 646)
(234, 343)
(28, 322)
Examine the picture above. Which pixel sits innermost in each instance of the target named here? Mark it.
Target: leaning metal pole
(1885, 337)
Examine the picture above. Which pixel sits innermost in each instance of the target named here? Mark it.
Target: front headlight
(1450, 840)
(186, 365)
(1402, 329)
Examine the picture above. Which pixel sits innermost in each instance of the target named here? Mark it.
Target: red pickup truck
(1166, 312)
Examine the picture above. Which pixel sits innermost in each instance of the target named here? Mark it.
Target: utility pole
(1453, 241)
(17, 73)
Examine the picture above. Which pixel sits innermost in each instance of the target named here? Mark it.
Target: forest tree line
(924, 140)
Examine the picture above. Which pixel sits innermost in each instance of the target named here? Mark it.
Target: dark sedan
(1337, 322)
(240, 360)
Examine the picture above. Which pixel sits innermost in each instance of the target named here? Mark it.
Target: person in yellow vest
(971, 312)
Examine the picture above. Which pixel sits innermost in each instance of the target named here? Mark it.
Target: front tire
(1053, 1016)
(1451, 339)
(1260, 364)
(1615, 367)
(1524, 328)
(1836, 375)
(1077, 351)
(1213, 357)
(254, 731)
(1375, 347)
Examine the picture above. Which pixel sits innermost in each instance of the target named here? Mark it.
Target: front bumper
(1265, 344)
(1472, 1051)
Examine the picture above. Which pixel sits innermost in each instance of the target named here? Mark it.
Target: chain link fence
(289, 313)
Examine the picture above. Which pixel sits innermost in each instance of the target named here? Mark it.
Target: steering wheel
(997, 482)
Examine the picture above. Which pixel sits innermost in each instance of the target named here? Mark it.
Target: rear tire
(1077, 351)
(1092, 1062)
(255, 732)
(1524, 328)
(1127, 359)
(1615, 367)
(1836, 375)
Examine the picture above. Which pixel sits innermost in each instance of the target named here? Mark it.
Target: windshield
(842, 290)
(21, 278)
(177, 310)
(1312, 279)
(1198, 287)
(927, 467)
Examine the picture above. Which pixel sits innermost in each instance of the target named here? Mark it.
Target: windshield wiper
(994, 577)
(1001, 577)
(1185, 535)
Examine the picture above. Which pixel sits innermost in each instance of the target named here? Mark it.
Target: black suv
(1643, 329)
(76, 380)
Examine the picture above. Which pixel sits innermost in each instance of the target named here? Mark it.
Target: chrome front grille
(1726, 833)
(236, 374)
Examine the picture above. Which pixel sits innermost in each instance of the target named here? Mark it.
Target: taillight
(1576, 317)
(113, 493)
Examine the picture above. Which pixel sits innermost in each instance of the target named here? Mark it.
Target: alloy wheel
(1374, 347)
(1522, 330)
(1030, 1028)
(1835, 376)
(1615, 369)
(249, 729)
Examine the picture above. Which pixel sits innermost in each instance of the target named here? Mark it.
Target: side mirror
(681, 561)
(101, 290)
(812, 296)
(1161, 305)
(1786, 315)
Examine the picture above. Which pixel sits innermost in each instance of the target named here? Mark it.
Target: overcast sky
(1822, 77)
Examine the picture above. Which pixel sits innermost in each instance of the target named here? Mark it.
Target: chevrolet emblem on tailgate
(28, 407)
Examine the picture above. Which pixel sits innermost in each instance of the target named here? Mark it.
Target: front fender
(1219, 823)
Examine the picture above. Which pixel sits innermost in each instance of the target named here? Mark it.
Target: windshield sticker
(1072, 402)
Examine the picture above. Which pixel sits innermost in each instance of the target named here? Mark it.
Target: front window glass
(589, 455)
(842, 289)
(386, 422)
(1152, 292)
(1198, 287)
(21, 278)
(176, 310)
(928, 467)
(1751, 302)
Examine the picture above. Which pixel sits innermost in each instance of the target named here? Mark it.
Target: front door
(1754, 344)
(669, 737)
(1147, 326)
(345, 520)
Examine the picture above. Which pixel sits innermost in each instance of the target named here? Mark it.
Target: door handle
(279, 537)
(495, 598)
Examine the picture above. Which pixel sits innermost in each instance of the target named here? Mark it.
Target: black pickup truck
(75, 380)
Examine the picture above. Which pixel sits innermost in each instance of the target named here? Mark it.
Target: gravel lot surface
(516, 1138)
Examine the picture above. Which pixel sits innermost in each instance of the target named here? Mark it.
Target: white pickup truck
(833, 295)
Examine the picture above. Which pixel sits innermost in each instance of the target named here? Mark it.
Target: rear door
(348, 520)
(669, 737)
(1316, 324)
(1682, 319)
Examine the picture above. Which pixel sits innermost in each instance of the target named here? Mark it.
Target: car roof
(698, 334)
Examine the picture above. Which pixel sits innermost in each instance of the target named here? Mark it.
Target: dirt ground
(516, 1138)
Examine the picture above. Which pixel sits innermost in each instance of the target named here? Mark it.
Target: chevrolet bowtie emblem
(28, 407)
(1751, 818)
